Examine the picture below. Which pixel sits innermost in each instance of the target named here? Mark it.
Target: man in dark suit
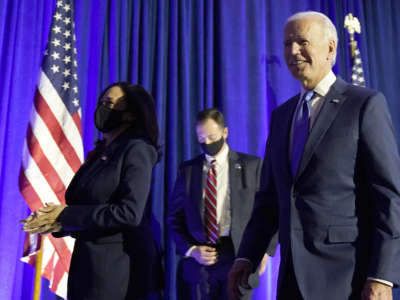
(209, 209)
(330, 182)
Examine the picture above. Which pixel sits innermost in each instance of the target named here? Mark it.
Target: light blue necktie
(301, 125)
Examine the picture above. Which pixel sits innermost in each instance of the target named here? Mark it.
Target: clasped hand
(44, 220)
(205, 255)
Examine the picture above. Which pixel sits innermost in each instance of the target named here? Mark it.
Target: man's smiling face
(308, 53)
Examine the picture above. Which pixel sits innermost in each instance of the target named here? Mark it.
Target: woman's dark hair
(142, 105)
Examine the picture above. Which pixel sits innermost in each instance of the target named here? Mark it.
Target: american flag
(53, 149)
(357, 73)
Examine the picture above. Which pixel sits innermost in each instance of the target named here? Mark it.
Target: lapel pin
(335, 100)
(238, 166)
(104, 157)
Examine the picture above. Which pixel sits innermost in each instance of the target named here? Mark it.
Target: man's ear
(225, 135)
(331, 49)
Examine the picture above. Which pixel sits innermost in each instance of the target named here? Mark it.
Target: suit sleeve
(381, 165)
(176, 219)
(273, 244)
(133, 191)
(261, 232)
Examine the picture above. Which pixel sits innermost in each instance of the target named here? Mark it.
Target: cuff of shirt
(381, 281)
(189, 252)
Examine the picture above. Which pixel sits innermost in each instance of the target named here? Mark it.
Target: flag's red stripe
(62, 250)
(57, 132)
(46, 168)
(34, 203)
(58, 273)
(32, 260)
(48, 269)
(29, 193)
(77, 121)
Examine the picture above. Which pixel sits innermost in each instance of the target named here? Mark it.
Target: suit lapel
(284, 125)
(333, 102)
(105, 158)
(88, 171)
(236, 177)
(196, 191)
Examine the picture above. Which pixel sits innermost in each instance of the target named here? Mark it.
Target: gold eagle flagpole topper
(352, 25)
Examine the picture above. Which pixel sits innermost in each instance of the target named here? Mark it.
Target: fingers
(55, 227)
(374, 290)
(37, 222)
(47, 208)
(238, 278)
(234, 291)
(44, 229)
(244, 281)
(209, 255)
(28, 219)
(205, 255)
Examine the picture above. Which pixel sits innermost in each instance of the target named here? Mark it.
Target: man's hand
(238, 276)
(374, 290)
(263, 265)
(204, 255)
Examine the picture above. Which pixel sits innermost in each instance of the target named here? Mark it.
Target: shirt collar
(220, 157)
(323, 86)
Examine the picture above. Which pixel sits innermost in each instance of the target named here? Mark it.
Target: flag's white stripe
(61, 289)
(55, 261)
(62, 286)
(69, 241)
(50, 148)
(48, 250)
(36, 179)
(59, 110)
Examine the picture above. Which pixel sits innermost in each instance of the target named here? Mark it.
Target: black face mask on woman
(107, 119)
(213, 148)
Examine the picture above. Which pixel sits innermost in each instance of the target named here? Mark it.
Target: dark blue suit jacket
(186, 207)
(115, 254)
(340, 216)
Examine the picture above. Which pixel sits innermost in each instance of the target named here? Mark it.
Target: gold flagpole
(352, 25)
(38, 273)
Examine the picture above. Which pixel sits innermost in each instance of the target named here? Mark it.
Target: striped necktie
(210, 199)
(301, 126)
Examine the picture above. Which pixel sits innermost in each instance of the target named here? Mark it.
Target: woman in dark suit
(108, 212)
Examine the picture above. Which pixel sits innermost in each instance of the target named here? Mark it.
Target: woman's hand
(44, 220)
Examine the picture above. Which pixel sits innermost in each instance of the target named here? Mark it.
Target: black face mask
(213, 148)
(107, 119)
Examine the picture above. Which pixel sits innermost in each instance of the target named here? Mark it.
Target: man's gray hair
(330, 29)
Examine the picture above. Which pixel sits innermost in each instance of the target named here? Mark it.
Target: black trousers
(198, 282)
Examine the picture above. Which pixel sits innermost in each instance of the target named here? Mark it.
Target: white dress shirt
(317, 100)
(223, 191)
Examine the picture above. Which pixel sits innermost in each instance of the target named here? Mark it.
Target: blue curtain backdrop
(190, 55)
